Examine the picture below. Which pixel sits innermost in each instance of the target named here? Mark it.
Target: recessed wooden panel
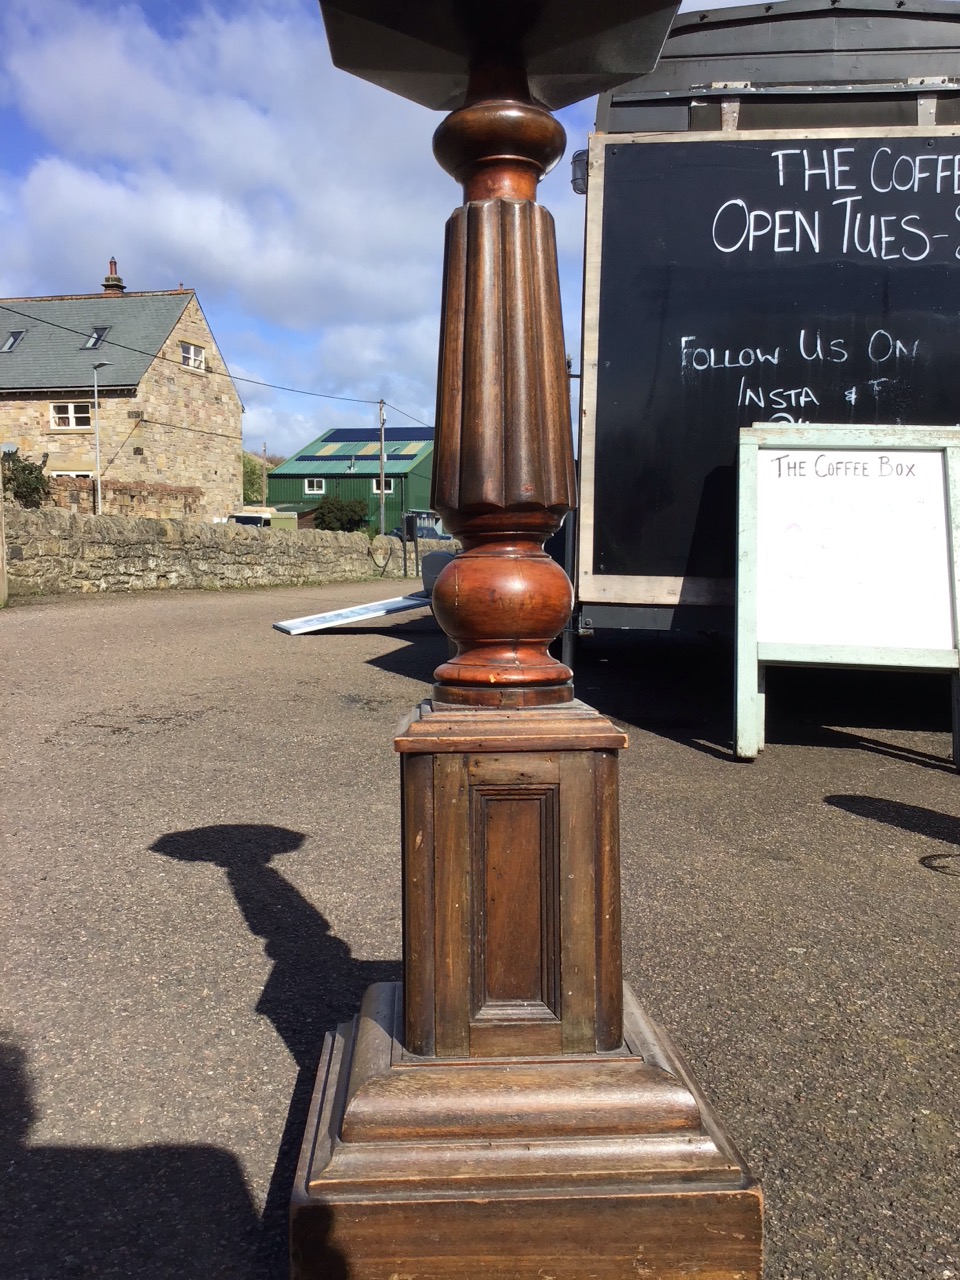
(516, 913)
(511, 894)
(510, 831)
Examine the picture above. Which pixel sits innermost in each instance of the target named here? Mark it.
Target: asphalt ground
(200, 874)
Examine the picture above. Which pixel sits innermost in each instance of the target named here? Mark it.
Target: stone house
(168, 418)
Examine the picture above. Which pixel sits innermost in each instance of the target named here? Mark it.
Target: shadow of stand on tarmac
(914, 818)
(168, 1212)
(314, 984)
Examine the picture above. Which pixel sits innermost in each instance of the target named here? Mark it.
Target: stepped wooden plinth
(565, 1167)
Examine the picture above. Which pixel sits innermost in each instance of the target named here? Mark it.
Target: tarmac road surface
(200, 874)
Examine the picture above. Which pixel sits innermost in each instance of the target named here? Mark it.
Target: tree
(345, 514)
(24, 480)
(253, 479)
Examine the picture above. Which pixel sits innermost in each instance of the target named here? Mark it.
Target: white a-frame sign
(847, 555)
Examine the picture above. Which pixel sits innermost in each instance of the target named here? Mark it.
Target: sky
(214, 144)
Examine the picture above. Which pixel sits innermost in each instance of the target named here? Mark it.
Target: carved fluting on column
(503, 428)
(503, 476)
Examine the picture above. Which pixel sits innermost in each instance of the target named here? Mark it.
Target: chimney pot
(112, 283)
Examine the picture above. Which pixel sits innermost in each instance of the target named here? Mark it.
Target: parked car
(426, 528)
(264, 518)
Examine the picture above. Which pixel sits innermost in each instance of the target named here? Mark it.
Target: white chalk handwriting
(848, 201)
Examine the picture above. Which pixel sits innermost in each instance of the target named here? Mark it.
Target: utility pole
(383, 420)
(263, 469)
(101, 364)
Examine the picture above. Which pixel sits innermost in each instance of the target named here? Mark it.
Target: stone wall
(126, 498)
(52, 551)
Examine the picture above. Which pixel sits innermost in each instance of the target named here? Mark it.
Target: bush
(253, 494)
(24, 480)
(344, 514)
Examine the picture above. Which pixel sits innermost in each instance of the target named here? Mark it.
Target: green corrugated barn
(345, 462)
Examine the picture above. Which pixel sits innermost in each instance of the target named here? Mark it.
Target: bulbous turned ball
(495, 597)
(503, 610)
(499, 137)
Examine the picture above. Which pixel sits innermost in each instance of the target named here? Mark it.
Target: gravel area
(200, 826)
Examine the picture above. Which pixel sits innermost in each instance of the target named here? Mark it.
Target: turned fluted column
(503, 472)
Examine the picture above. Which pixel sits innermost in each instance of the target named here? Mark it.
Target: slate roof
(51, 354)
(343, 451)
(341, 434)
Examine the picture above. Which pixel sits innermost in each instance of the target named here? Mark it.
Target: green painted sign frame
(753, 656)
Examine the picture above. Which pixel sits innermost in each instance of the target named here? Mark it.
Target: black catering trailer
(773, 234)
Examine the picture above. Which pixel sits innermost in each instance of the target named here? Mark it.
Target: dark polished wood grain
(503, 472)
(607, 926)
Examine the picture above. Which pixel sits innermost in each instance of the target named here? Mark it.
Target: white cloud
(223, 150)
(215, 144)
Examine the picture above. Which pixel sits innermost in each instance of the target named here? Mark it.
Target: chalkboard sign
(848, 554)
(780, 278)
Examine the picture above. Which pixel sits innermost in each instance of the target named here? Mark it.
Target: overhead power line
(254, 382)
(428, 425)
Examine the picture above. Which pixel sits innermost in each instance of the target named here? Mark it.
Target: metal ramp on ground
(355, 613)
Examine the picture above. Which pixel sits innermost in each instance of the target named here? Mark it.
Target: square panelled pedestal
(510, 1112)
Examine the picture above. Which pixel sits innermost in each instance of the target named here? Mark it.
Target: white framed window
(192, 356)
(314, 484)
(97, 335)
(12, 338)
(71, 416)
(387, 484)
(76, 475)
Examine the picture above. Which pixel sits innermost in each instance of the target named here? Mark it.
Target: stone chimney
(112, 284)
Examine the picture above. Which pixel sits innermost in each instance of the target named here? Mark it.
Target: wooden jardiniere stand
(509, 1111)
